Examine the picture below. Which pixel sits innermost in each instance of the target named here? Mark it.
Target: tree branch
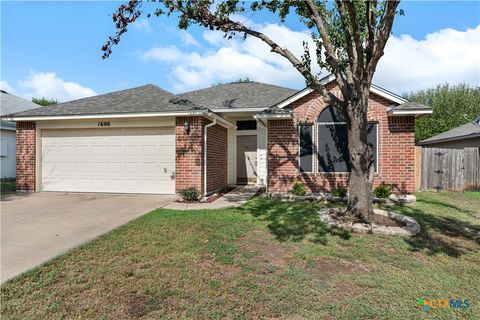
(329, 50)
(356, 36)
(227, 25)
(383, 32)
(351, 51)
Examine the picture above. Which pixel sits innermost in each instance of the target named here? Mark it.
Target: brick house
(148, 140)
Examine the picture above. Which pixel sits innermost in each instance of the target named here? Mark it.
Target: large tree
(349, 38)
(452, 106)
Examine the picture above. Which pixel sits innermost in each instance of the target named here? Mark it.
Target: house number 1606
(104, 124)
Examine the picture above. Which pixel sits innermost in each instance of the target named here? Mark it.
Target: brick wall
(189, 153)
(217, 155)
(396, 148)
(26, 138)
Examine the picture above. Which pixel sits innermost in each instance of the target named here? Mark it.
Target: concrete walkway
(234, 198)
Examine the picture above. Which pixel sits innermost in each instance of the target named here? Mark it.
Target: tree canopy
(44, 101)
(450, 104)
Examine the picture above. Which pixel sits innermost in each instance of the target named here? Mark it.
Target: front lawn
(266, 259)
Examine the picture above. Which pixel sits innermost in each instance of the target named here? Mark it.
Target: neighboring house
(147, 140)
(464, 136)
(10, 104)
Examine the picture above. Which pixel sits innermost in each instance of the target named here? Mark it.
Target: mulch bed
(376, 219)
(210, 198)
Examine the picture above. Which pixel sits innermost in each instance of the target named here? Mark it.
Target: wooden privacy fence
(447, 169)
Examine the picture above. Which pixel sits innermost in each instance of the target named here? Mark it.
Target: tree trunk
(360, 199)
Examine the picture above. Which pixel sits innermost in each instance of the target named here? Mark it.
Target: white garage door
(123, 160)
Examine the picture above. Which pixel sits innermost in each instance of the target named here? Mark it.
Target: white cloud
(188, 39)
(6, 87)
(49, 85)
(446, 55)
(408, 64)
(229, 60)
(169, 54)
(142, 25)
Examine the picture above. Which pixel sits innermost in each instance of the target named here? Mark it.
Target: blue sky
(52, 49)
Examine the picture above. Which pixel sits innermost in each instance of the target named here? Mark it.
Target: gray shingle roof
(147, 98)
(10, 103)
(239, 95)
(468, 130)
(410, 106)
(150, 98)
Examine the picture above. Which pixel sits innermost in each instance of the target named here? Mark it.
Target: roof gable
(330, 78)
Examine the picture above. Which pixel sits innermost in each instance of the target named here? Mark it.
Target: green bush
(190, 194)
(339, 191)
(383, 191)
(299, 189)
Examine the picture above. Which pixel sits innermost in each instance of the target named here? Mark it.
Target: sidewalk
(234, 198)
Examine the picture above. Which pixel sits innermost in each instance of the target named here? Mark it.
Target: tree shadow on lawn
(440, 234)
(294, 221)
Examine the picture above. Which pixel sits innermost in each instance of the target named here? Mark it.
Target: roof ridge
(111, 93)
(235, 83)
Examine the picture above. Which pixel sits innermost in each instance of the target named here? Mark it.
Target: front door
(246, 159)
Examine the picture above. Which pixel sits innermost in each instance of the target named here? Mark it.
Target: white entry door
(117, 160)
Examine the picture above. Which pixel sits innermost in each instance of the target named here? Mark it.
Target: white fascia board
(386, 94)
(230, 110)
(394, 112)
(110, 116)
(294, 98)
(126, 115)
(272, 116)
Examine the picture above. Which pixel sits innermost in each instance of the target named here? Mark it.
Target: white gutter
(205, 155)
(107, 115)
(239, 110)
(409, 112)
(224, 123)
(272, 116)
(207, 113)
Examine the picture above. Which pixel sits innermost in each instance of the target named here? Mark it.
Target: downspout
(205, 156)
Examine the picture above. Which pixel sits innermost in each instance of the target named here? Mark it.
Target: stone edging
(411, 228)
(328, 197)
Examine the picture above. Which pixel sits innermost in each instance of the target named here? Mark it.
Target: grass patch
(266, 259)
(7, 186)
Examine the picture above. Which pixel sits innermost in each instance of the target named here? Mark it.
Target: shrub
(190, 194)
(299, 189)
(339, 191)
(383, 191)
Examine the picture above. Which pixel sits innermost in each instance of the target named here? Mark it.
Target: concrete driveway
(39, 226)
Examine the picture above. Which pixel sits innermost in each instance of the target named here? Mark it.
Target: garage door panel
(136, 160)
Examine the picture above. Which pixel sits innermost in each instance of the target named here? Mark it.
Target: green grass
(7, 186)
(266, 259)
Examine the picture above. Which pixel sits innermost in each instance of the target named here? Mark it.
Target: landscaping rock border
(411, 228)
(328, 197)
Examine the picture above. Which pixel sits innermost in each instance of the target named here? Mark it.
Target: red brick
(26, 137)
